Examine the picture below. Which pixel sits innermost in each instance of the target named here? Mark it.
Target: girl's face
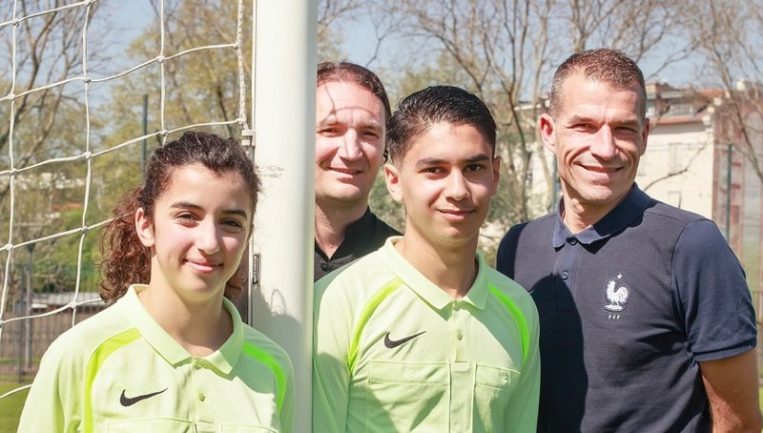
(198, 232)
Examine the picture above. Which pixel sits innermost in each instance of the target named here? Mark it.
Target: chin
(346, 193)
(603, 196)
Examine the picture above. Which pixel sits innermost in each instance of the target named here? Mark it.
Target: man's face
(598, 136)
(445, 180)
(349, 143)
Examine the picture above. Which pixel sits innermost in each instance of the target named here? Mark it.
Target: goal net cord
(88, 154)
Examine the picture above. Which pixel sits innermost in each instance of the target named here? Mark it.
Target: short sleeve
(331, 374)
(522, 413)
(713, 298)
(54, 404)
(507, 251)
(287, 411)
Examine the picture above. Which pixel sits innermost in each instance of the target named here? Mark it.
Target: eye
(233, 223)
(474, 167)
(626, 130)
(369, 133)
(583, 127)
(185, 218)
(433, 170)
(329, 131)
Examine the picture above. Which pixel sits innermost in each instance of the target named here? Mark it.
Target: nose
(208, 238)
(603, 146)
(351, 148)
(457, 188)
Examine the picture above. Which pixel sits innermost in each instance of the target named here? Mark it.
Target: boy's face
(445, 181)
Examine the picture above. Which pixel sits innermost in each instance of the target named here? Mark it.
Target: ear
(645, 134)
(546, 127)
(496, 166)
(144, 228)
(392, 179)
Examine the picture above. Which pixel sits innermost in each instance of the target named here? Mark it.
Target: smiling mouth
(203, 266)
(600, 169)
(350, 171)
(455, 212)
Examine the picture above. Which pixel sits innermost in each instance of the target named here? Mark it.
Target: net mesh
(82, 100)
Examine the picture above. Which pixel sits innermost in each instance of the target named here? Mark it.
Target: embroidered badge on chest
(617, 295)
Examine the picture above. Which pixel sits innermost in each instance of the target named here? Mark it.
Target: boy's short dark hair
(420, 110)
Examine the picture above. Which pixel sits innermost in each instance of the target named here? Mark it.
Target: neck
(452, 268)
(201, 328)
(579, 216)
(331, 222)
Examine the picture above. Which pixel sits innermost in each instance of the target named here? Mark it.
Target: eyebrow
(332, 120)
(188, 205)
(436, 161)
(578, 118)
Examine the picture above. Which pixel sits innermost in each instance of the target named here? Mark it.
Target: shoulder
(504, 287)
(529, 230)
(665, 213)
(528, 236)
(260, 347)
(75, 346)
(682, 228)
(356, 280)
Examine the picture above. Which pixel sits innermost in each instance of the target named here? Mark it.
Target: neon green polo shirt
(395, 353)
(119, 371)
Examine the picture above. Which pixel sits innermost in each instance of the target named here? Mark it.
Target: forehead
(447, 142)
(581, 96)
(345, 99)
(195, 183)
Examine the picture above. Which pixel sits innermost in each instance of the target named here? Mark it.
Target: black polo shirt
(627, 309)
(362, 236)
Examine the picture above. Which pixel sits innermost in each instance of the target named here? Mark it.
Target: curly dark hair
(125, 260)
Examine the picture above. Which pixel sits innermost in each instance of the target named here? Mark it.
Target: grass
(10, 407)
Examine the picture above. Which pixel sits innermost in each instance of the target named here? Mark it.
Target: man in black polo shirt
(352, 109)
(646, 320)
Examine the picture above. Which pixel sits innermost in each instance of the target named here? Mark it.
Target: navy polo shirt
(361, 237)
(627, 309)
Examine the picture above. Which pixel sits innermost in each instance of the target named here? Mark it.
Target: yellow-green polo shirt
(119, 371)
(395, 353)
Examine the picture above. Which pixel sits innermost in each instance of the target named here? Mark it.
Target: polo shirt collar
(616, 220)
(226, 357)
(425, 288)
(168, 348)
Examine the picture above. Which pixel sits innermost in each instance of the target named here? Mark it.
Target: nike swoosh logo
(391, 344)
(129, 401)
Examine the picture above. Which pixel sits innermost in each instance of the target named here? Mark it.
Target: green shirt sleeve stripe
(365, 315)
(270, 362)
(518, 316)
(99, 356)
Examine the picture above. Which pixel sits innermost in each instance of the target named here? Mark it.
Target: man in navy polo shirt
(646, 320)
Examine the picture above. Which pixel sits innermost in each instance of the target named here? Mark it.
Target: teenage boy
(422, 335)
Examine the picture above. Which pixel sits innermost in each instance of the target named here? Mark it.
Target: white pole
(284, 68)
